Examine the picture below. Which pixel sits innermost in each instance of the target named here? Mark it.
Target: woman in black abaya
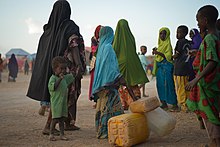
(59, 34)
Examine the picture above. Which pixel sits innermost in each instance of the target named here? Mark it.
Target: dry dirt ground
(20, 124)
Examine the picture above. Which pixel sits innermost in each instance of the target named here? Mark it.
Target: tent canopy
(17, 52)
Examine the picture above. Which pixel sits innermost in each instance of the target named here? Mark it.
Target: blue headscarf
(106, 68)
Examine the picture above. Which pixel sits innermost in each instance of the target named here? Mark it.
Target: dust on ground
(22, 126)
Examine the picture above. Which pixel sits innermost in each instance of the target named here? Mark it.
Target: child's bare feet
(62, 137)
(52, 138)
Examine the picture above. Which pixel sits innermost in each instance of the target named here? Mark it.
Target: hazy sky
(22, 21)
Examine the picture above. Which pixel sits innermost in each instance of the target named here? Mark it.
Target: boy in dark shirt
(181, 67)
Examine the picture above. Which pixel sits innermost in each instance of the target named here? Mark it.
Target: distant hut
(20, 55)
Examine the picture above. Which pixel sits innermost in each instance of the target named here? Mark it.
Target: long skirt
(165, 83)
(108, 105)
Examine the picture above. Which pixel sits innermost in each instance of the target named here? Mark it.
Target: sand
(21, 125)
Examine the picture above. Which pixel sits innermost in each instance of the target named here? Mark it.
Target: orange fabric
(125, 97)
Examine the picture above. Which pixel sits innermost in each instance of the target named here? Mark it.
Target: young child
(207, 104)
(181, 66)
(58, 88)
(163, 70)
(144, 63)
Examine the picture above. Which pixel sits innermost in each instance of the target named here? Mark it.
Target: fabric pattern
(207, 104)
(108, 105)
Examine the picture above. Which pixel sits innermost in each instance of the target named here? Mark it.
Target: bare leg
(46, 130)
(52, 128)
(61, 126)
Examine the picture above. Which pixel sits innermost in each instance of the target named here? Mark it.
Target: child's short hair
(57, 61)
(210, 12)
(184, 29)
(143, 46)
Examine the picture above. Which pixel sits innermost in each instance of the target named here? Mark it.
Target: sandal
(46, 131)
(71, 128)
(174, 108)
(164, 106)
(52, 138)
(62, 137)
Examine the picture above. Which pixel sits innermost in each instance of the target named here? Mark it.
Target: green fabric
(206, 106)
(164, 47)
(128, 60)
(58, 97)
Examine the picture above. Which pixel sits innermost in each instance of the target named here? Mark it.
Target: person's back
(26, 67)
(55, 41)
(13, 68)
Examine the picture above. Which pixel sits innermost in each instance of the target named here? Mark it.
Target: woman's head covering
(125, 49)
(97, 30)
(52, 43)
(196, 39)
(61, 11)
(106, 69)
(165, 47)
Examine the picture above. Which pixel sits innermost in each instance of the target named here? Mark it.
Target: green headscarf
(128, 60)
(163, 47)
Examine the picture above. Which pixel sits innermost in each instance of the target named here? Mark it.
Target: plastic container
(127, 129)
(160, 122)
(144, 105)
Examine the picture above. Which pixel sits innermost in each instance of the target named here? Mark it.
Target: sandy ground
(21, 125)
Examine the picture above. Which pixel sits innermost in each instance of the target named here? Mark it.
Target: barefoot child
(144, 64)
(58, 88)
(207, 105)
(181, 66)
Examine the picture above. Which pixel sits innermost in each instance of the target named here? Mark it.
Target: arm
(57, 83)
(73, 46)
(159, 53)
(209, 68)
(130, 91)
(176, 55)
(77, 61)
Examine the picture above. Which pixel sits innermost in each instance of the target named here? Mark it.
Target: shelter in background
(20, 54)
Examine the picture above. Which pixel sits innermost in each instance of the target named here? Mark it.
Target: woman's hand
(61, 75)
(154, 52)
(189, 86)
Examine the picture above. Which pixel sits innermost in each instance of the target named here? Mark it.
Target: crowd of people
(187, 77)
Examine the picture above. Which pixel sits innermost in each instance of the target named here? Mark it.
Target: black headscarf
(53, 42)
